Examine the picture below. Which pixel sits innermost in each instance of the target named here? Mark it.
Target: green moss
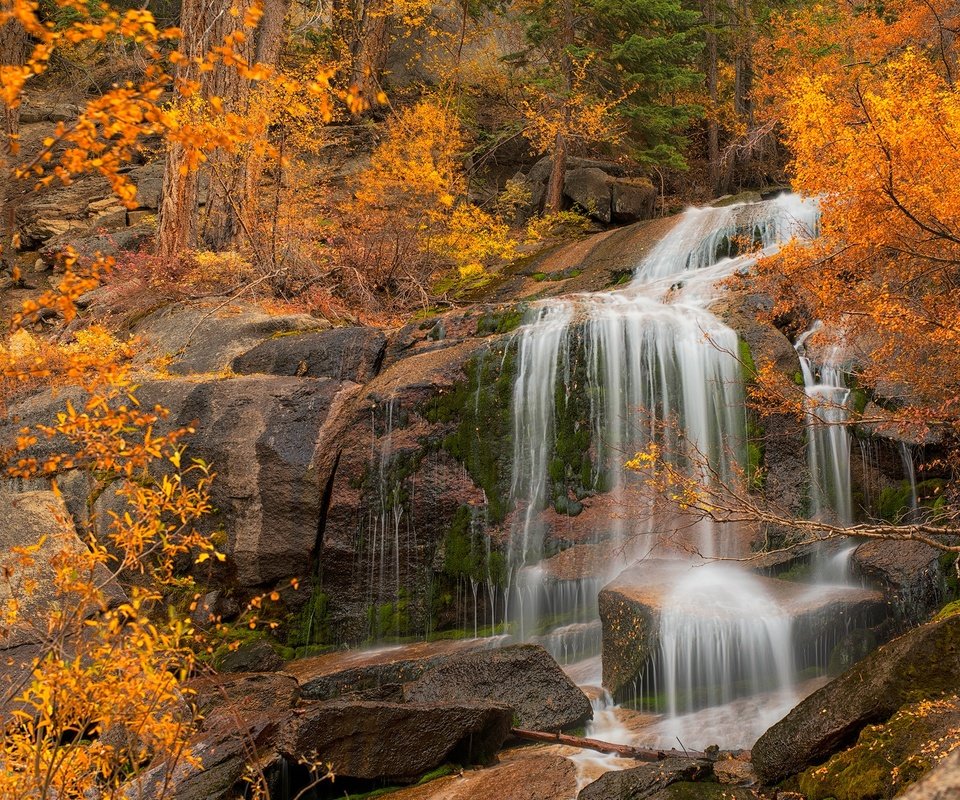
(894, 501)
(539, 276)
(747, 363)
(310, 627)
(798, 378)
(502, 321)
(621, 277)
(951, 609)
(391, 619)
(886, 758)
(440, 772)
(465, 550)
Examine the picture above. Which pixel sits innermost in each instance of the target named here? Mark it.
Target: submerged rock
(523, 677)
(646, 780)
(394, 741)
(923, 663)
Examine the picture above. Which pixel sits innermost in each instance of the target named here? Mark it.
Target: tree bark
(370, 50)
(713, 127)
(638, 753)
(553, 201)
(14, 50)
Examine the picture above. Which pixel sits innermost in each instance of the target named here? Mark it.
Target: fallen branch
(624, 750)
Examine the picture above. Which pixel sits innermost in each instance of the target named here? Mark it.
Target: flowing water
(658, 368)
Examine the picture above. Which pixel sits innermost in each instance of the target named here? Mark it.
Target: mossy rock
(887, 758)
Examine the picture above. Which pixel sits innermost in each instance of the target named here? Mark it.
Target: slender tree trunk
(743, 84)
(14, 49)
(179, 195)
(553, 201)
(713, 127)
(370, 50)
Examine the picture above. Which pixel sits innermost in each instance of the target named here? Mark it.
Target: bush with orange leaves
(410, 220)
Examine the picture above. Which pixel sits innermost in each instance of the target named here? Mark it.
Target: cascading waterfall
(659, 368)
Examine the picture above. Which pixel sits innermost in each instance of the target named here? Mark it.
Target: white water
(659, 368)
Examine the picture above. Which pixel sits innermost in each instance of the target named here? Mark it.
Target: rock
(631, 605)
(347, 354)
(705, 791)
(243, 695)
(520, 774)
(907, 572)
(924, 662)
(93, 242)
(243, 715)
(632, 201)
(261, 435)
(646, 780)
(25, 518)
(524, 677)
(394, 741)
(590, 189)
(203, 339)
(943, 783)
(735, 771)
(334, 674)
(888, 757)
(256, 656)
(149, 182)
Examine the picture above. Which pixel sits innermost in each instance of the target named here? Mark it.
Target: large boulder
(646, 780)
(242, 716)
(394, 741)
(347, 354)
(925, 662)
(590, 189)
(523, 677)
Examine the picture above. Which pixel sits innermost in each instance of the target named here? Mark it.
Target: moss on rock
(887, 758)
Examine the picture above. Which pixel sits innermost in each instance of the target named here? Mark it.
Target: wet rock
(257, 656)
(26, 518)
(907, 572)
(335, 674)
(703, 791)
(925, 662)
(202, 339)
(261, 435)
(248, 695)
(347, 354)
(393, 741)
(734, 771)
(521, 774)
(523, 677)
(646, 780)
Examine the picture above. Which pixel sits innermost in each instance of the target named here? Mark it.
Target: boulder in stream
(646, 780)
(524, 677)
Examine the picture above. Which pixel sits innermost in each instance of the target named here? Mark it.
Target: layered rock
(925, 662)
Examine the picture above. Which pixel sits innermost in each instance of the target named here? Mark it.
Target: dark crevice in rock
(325, 500)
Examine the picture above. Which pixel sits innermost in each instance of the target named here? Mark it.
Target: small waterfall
(722, 636)
(909, 470)
(828, 441)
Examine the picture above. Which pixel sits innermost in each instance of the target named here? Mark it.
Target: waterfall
(651, 365)
(828, 441)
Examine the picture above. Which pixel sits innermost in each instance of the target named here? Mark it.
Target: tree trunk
(370, 50)
(553, 202)
(713, 127)
(179, 195)
(638, 753)
(14, 50)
